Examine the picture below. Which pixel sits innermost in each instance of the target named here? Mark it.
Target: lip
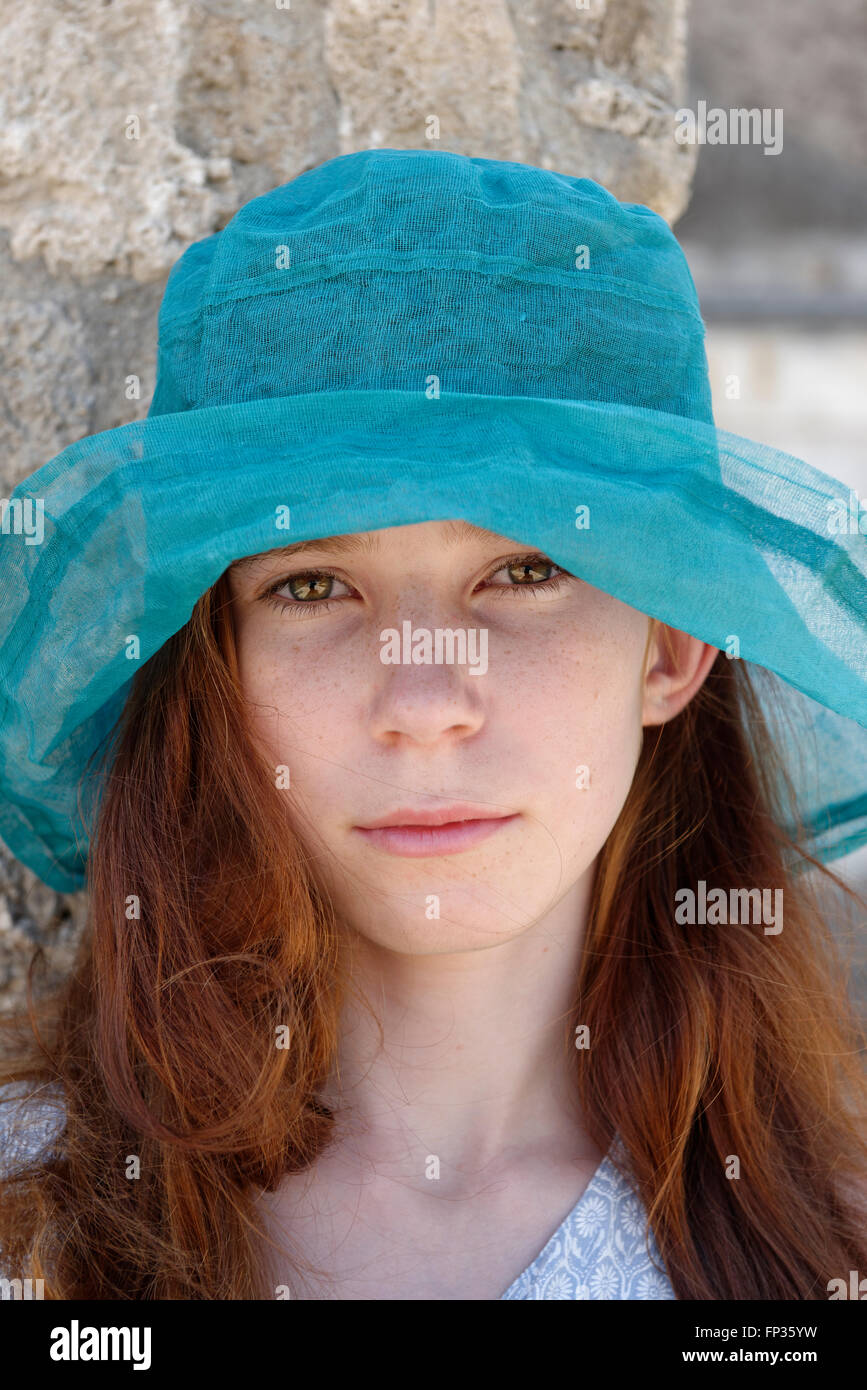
(445, 830)
(434, 815)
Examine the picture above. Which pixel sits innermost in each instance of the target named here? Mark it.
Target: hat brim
(714, 534)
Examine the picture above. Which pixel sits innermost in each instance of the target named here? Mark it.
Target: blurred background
(778, 243)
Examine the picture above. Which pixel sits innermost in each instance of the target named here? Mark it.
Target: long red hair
(209, 930)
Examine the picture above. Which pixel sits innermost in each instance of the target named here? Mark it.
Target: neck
(475, 1068)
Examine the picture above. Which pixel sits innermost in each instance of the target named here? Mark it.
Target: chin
(462, 925)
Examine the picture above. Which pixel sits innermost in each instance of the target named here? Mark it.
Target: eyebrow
(456, 533)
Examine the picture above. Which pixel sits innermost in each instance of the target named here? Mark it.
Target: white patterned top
(601, 1250)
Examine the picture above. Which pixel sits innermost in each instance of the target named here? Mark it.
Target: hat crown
(427, 269)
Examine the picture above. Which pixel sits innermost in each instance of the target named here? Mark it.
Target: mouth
(446, 830)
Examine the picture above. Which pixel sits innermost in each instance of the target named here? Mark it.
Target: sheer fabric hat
(400, 336)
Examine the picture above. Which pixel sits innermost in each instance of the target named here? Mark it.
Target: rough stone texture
(33, 916)
(229, 100)
(229, 103)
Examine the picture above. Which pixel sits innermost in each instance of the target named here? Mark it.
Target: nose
(427, 701)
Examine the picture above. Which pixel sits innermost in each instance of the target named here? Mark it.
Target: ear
(676, 667)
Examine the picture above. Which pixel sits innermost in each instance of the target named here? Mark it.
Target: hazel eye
(523, 571)
(310, 592)
(309, 586)
(527, 578)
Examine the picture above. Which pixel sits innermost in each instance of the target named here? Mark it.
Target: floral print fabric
(602, 1250)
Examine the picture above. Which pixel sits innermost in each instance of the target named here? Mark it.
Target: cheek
(586, 735)
(263, 672)
(609, 741)
(297, 698)
(264, 679)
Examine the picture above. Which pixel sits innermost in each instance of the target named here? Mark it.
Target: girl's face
(533, 714)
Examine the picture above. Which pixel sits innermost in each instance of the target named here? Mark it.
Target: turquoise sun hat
(399, 336)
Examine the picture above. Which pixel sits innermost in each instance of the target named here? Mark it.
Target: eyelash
(551, 585)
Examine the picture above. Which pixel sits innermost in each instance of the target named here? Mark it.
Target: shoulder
(32, 1117)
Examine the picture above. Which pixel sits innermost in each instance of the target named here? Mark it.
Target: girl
(448, 935)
